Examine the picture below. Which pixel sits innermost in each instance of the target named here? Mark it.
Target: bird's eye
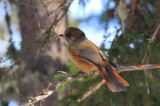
(68, 35)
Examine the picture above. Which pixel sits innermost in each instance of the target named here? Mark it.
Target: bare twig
(91, 91)
(147, 55)
(138, 67)
(63, 72)
(62, 8)
(49, 91)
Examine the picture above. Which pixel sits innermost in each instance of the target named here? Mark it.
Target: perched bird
(88, 57)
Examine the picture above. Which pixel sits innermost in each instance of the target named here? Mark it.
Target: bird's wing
(101, 53)
(105, 58)
(88, 53)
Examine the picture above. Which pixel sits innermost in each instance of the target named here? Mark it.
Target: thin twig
(145, 59)
(91, 91)
(62, 8)
(47, 93)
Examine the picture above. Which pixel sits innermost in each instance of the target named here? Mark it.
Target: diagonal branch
(49, 91)
(54, 86)
(146, 57)
(60, 12)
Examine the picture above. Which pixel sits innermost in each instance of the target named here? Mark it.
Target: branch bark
(52, 88)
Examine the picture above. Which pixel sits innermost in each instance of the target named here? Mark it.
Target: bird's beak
(61, 35)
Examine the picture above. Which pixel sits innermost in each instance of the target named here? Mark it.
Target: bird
(88, 57)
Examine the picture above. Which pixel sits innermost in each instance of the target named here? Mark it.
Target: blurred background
(31, 53)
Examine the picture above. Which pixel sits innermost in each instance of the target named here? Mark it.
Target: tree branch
(54, 86)
(146, 57)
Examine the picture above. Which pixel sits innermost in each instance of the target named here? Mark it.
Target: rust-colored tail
(115, 82)
(120, 78)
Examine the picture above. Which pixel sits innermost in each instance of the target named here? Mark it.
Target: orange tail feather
(113, 80)
(120, 78)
